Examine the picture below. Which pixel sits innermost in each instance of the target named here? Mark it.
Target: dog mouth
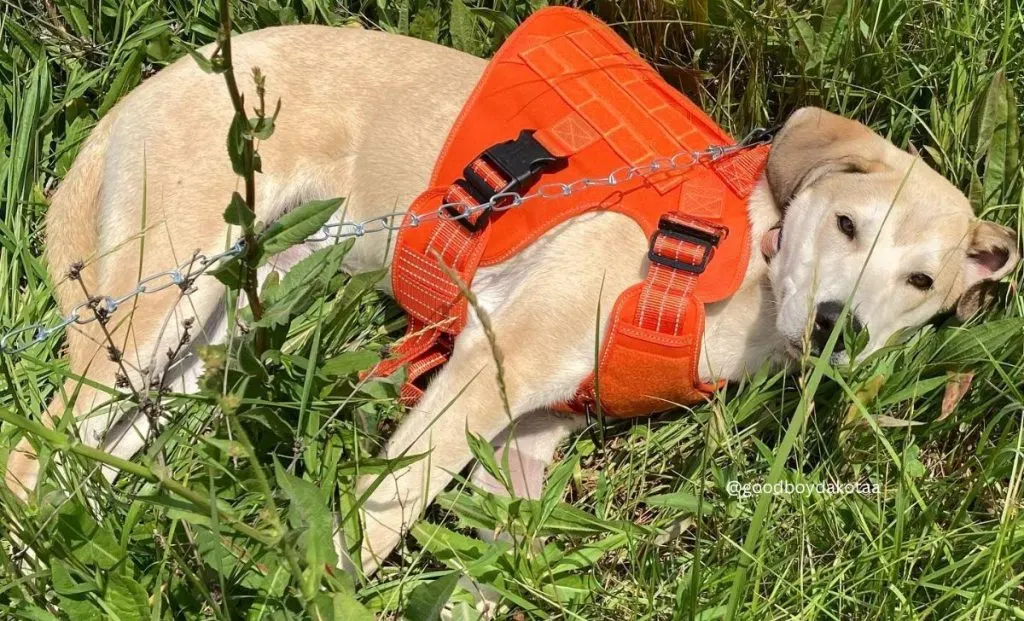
(794, 350)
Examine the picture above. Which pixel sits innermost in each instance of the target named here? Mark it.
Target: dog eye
(920, 281)
(846, 226)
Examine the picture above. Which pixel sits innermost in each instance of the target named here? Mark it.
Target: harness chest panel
(568, 99)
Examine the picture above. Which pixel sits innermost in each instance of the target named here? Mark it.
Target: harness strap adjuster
(699, 234)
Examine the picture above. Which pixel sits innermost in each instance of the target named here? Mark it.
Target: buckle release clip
(520, 161)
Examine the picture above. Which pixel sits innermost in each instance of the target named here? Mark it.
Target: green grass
(647, 528)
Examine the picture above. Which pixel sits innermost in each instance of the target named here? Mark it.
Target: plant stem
(250, 283)
(284, 545)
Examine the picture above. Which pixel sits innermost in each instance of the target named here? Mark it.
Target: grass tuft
(224, 515)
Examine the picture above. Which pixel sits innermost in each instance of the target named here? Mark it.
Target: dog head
(870, 224)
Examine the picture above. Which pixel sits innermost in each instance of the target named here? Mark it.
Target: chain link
(185, 274)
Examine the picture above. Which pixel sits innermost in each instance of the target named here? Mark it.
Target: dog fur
(364, 115)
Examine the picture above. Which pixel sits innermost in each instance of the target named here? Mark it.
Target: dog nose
(825, 317)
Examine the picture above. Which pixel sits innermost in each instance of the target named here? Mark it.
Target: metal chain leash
(185, 274)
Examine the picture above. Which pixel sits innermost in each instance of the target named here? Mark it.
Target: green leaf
(803, 40)
(271, 420)
(181, 509)
(309, 510)
(502, 22)
(378, 465)
(238, 144)
(262, 128)
(349, 363)
(302, 285)
(483, 452)
(204, 63)
(482, 510)
(159, 47)
(458, 551)
(228, 558)
(90, 542)
(126, 599)
(127, 77)
(230, 273)
(63, 583)
(250, 364)
(77, 18)
(19, 166)
(80, 609)
(917, 389)
(912, 463)
(427, 600)
(995, 137)
(238, 213)
(270, 282)
(295, 226)
(554, 490)
(340, 607)
(73, 596)
(34, 613)
(463, 28)
(557, 481)
(974, 345)
(426, 24)
(834, 29)
(442, 541)
(213, 551)
(684, 501)
(1002, 157)
(585, 556)
(464, 611)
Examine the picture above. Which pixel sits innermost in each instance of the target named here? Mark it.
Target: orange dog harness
(566, 99)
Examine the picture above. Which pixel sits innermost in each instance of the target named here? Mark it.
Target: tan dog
(364, 116)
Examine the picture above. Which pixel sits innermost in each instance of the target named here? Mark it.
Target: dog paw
(484, 607)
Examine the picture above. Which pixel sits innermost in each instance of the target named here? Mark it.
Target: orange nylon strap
(649, 357)
(680, 250)
(432, 300)
(435, 306)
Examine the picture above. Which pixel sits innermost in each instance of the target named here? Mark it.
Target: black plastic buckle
(520, 161)
(685, 233)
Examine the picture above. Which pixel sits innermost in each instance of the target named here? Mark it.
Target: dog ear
(813, 144)
(991, 255)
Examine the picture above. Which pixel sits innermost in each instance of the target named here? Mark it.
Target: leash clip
(759, 136)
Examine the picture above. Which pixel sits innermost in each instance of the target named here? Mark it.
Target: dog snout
(826, 316)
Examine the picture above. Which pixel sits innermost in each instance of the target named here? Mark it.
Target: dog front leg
(530, 448)
(464, 397)
(544, 306)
